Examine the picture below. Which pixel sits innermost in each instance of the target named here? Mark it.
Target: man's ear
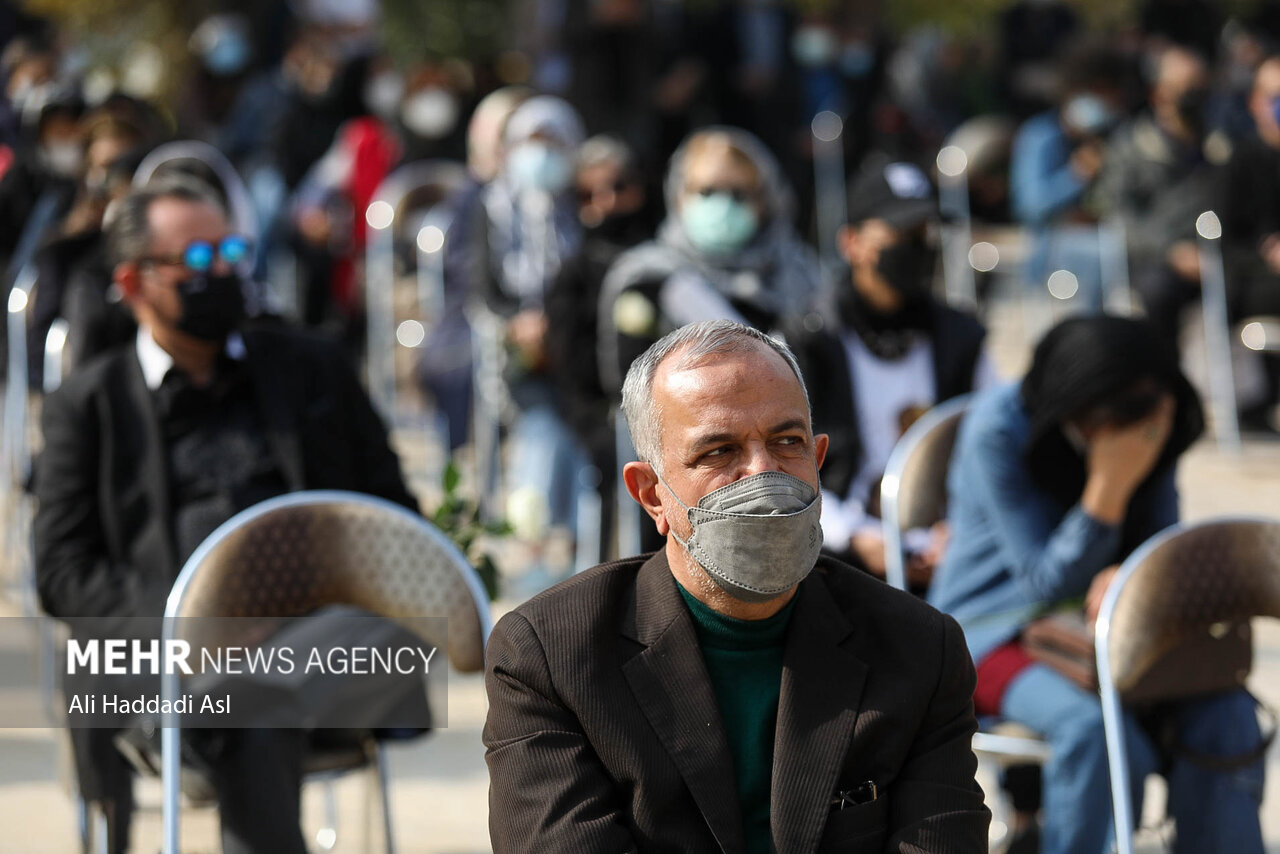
(820, 444)
(642, 483)
(128, 278)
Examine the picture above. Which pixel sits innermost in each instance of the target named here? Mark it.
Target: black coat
(103, 531)
(104, 539)
(603, 732)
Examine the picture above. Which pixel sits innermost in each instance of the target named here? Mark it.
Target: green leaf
(452, 477)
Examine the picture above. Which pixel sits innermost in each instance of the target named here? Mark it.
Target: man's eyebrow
(790, 424)
(703, 442)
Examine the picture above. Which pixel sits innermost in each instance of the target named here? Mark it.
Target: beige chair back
(1180, 624)
(913, 491)
(307, 550)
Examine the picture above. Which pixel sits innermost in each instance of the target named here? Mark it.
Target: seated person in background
(895, 352)
(522, 231)
(1157, 179)
(734, 691)
(1054, 482)
(615, 215)
(71, 263)
(727, 250)
(152, 445)
(1057, 156)
(1251, 231)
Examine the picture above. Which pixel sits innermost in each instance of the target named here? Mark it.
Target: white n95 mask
(757, 537)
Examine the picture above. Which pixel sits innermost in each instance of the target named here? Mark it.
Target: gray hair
(605, 150)
(129, 236)
(695, 343)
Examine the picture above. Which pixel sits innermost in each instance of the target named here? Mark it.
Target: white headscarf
(530, 240)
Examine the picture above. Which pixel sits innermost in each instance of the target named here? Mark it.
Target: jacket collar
(672, 688)
(822, 680)
(156, 361)
(821, 688)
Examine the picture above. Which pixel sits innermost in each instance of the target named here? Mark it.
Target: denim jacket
(1015, 550)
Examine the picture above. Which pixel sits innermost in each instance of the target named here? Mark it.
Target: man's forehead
(719, 385)
(183, 220)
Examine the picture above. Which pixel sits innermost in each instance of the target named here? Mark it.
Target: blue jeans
(1075, 248)
(1215, 812)
(546, 454)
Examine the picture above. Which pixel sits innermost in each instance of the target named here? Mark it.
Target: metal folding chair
(913, 490)
(913, 494)
(1260, 334)
(290, 555)
(1188, 592)
(417, 186)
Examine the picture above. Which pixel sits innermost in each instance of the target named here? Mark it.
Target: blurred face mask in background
(718, 223)
(908, 266)
(430, 113)
(814, 46)
(538, 166)
(1088, 114)
(63, 158)
(382, 94)
(212, 305)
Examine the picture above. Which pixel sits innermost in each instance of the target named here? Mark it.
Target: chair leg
(96, 827)
(384, 790)
(327, 835)
(82, 824)
(1001, 830)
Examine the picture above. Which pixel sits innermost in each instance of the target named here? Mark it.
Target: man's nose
(757, 459)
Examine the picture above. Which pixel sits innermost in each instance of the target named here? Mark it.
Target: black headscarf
(1095, 360)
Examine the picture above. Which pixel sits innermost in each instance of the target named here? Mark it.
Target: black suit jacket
(603, 732)
(103, 531)
(104, 540)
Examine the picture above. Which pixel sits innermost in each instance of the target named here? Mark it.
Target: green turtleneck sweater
(744, 661)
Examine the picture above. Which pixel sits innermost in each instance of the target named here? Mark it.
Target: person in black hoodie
(892, 352)
(614, 209)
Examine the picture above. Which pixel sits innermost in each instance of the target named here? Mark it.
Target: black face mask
(628, 227)
(1191, 109)
(212, 305)
(908, 267)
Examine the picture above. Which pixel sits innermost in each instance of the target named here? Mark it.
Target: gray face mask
(757, 537)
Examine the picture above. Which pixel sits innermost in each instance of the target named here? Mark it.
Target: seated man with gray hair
(734, 691)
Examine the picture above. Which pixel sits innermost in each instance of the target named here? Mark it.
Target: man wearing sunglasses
(151, 446)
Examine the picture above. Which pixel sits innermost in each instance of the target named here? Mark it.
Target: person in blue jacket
(1053, 482)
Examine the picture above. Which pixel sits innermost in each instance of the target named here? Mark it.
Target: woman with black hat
(1053, 483)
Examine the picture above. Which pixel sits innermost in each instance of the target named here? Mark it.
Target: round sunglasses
(200, 255)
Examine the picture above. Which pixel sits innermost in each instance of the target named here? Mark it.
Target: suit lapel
(275, 397)
(821, 689)
(671, 686)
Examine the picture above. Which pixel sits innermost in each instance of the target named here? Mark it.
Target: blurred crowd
(621, 168)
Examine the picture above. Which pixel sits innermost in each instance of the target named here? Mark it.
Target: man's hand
(1097, 590)
(921, 564)
(1120, 458)
(1086, 160)
(527, 332)
(1270, 252)
(868, 546)
(1184, 260)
